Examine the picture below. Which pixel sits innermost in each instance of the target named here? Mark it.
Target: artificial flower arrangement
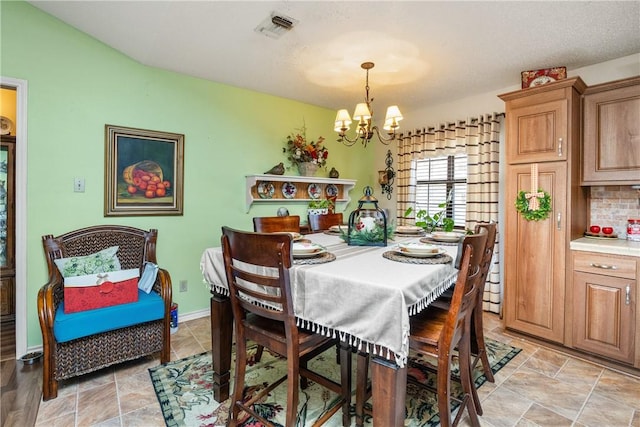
(299, 150)
(365, 234)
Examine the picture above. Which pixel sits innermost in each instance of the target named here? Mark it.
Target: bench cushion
(71, 326)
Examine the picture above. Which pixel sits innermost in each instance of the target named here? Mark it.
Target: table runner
(361, 297)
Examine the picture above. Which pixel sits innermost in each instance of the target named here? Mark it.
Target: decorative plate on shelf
(331, 190)
(6, 125)
(289, 190)
(315, 191)
(266, 190)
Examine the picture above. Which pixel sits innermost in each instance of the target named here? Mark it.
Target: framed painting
(143, 172)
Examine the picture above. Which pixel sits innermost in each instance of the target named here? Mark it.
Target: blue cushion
(67, 327)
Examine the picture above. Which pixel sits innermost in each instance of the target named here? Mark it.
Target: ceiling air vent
(276, 25)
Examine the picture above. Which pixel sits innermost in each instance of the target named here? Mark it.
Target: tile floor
(540, 387)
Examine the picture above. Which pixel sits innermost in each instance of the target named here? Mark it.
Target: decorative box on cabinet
(611, 141)
(302, 186)
(543, 128)
(604, 305)
(543, 122)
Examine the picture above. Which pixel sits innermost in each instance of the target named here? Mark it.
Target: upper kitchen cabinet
(611, 141)
(543, 122)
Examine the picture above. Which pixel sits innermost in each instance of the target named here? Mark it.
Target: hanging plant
(544, 205)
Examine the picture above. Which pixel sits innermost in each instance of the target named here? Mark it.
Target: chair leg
(443, 388)
(479, 348)
(345, 382)
(470, 393)
(238, 388)
(258, 355)
(292, 388)
(362, 377)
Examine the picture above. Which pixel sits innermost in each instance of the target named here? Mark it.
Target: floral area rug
(185, 395)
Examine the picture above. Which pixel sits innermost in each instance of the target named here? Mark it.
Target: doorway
(19, 211)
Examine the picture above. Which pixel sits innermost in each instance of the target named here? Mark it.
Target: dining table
(364, 295)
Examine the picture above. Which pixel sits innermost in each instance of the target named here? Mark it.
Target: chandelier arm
(382, 139)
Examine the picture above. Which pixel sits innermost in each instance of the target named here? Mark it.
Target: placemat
(439, 259)
(320, 259)
(437, 242)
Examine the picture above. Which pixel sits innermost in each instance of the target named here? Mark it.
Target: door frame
(20, 210)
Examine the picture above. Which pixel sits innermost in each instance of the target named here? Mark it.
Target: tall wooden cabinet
(543, 128)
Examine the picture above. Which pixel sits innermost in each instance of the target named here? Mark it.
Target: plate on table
(306, 249)
(315, 191)
(405, 252)
(331, 190)
(295, 236)
(446, 236)
(419, 248)
(409, 229)
(339, 228)
(289, 190)
(266, 190)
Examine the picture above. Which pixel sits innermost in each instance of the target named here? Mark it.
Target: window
(437, 176)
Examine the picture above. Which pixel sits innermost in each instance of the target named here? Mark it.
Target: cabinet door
(537, 133)
(611, 145)
(535, 255)
(604, 316)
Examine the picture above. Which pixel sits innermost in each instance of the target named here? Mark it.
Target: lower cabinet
(604, 305)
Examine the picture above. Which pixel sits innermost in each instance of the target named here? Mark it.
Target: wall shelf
(267, 188)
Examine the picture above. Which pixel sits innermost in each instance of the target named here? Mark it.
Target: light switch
(78, 185)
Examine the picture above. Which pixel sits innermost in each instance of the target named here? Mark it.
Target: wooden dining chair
(263, 313)
(272, 224)
(323, 222)
(478, 347)
(438, 333)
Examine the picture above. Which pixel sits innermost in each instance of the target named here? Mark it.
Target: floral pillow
(99, 262)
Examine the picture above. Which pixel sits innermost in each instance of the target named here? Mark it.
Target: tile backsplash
(613, 206)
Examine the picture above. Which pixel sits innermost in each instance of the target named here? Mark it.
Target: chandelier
(363, 114)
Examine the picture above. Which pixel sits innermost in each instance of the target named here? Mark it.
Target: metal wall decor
(385, 177)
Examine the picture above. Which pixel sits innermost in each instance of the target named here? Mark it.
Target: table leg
(221, 332)
(389, 389)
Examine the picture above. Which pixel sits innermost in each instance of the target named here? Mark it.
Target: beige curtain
(479, 139)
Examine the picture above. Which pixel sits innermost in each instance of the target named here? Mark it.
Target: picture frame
(143, 172)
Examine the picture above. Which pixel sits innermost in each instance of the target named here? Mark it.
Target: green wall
(76, 85)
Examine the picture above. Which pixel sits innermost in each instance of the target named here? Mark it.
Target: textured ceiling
(425, 51)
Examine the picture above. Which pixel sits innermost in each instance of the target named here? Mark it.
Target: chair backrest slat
(323, 222)
(273, 224)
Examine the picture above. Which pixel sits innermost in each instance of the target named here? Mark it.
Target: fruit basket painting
(143, 172)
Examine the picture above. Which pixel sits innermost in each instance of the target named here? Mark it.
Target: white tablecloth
(362, 297)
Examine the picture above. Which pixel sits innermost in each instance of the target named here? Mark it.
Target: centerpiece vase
(307, 168)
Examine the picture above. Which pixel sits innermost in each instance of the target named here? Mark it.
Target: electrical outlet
(183, 286)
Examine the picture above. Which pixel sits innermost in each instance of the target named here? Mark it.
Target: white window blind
(435, 177)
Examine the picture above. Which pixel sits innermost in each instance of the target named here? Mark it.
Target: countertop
(606, 246)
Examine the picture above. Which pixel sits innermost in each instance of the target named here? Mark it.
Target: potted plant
(438, 221)
(319, 207)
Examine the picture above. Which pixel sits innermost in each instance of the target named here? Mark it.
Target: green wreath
(542, 213)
